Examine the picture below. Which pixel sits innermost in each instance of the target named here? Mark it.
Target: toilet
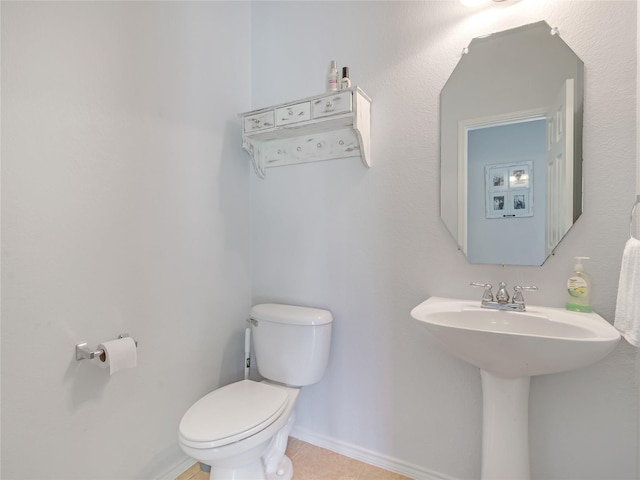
(241, 430)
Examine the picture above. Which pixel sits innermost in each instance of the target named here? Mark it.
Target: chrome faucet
(502, 297)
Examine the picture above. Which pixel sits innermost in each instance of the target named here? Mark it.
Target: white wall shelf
(323, 127)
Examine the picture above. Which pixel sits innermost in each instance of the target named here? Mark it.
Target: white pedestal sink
(509, 347)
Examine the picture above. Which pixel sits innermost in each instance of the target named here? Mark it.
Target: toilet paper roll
(118, 354)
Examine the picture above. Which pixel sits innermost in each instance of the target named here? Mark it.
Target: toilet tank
(291, 343)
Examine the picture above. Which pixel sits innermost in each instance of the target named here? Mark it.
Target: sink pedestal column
(505, 427)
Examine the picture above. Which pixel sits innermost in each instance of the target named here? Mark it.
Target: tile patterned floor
(315, 463)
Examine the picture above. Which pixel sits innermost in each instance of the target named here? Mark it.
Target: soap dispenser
(579, 288)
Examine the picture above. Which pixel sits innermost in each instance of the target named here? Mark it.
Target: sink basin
(509, 347)
(512, 344)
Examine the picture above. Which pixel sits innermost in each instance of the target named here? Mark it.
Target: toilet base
(254, 470)
(284, 471)
(272, 465)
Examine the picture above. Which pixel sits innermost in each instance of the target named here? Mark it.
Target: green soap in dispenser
(579, 289)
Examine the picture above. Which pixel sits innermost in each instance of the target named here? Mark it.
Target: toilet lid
(232, 413)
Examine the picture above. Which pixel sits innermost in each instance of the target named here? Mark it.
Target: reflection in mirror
(511, 146)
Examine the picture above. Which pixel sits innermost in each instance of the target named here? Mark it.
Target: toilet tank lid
(290, 314)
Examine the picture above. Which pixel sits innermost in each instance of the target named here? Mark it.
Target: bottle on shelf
(346, 82)
(332, 77)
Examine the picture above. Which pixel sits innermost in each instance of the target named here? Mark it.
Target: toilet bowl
(241, 430)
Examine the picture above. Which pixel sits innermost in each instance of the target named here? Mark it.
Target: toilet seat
(232, 413)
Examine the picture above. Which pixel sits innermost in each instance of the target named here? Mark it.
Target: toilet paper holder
(83, 352)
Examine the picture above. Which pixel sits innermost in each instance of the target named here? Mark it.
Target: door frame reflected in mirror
(464, 127)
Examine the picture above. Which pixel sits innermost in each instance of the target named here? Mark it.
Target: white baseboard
(367, 456)
(343, 448)
(177, 469)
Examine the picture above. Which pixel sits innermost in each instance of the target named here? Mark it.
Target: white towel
(627, 319)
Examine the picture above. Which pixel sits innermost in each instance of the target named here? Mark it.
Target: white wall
(369, 245)
(637, 224)
(125, 208)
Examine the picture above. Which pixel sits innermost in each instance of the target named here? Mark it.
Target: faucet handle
(518, 298)
(488, 294)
